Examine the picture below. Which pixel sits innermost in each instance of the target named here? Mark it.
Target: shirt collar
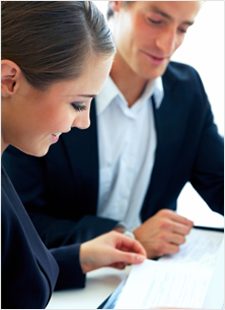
(111, 91)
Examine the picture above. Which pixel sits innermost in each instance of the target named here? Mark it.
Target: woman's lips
(57, 134)
(55, 137)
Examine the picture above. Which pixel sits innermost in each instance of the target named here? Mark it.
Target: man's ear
(10, 73)
(115, 5)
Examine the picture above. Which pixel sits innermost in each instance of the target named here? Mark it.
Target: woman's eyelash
(78, 108)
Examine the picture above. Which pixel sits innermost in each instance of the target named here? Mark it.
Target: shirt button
(129, 163)
(122, 203)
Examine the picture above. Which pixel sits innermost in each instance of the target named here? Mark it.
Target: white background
(203, 48)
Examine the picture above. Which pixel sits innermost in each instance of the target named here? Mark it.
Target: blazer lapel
(170, 122)
(82, 151)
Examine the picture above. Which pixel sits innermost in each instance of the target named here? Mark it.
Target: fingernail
(140, 258)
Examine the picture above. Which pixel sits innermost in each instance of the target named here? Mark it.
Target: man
(151, 132)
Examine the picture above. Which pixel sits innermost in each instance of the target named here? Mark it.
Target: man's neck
(129, 83)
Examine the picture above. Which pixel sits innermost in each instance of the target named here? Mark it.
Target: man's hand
(110, 250)
(163, 233)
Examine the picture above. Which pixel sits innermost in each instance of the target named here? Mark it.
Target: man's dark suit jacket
(60, 190)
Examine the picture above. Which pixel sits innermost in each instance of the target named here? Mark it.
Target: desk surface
(99, 285)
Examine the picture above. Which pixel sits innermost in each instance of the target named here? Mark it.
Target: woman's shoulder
(30, 266)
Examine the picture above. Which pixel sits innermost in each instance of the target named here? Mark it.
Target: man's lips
(155, 59)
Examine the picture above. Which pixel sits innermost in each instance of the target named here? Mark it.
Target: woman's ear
(10, 73)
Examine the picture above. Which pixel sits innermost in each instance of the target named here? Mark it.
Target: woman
(55, 58)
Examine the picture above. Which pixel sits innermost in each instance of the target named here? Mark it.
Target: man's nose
(82, 122)
(166, 42)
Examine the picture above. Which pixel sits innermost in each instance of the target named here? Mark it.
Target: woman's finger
(131, 245)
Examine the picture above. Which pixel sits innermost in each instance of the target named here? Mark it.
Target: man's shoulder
(177, 68)
(180, 73)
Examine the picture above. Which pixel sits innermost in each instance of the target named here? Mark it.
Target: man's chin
(156, 72)
(151, 73)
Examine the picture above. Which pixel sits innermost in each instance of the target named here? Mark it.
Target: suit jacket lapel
(82, 151)
(170, 122)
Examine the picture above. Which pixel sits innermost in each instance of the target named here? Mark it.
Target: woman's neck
(3, 127)
(3, 144)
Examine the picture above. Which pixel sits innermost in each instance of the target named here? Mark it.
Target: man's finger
(169, 248)
(170, 237)
(179, 218)
(180, 229)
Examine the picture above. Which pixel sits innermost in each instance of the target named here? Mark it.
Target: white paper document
(215, 294)
(200, 249)
(180, 280)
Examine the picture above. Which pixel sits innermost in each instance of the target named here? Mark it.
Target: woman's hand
(110, 250)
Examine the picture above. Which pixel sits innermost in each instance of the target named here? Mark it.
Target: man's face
(147, 33)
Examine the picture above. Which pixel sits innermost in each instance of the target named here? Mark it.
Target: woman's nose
(82, 121)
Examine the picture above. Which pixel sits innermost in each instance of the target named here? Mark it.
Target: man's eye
(182, 30)
(78, 108)
(153, 21)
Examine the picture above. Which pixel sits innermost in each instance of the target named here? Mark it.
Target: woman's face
(38, 118)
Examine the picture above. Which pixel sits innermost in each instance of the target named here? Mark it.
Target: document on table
(215, 294)
(200, 249)
(180, 280)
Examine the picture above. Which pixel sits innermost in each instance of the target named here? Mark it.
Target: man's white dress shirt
(127, 142)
